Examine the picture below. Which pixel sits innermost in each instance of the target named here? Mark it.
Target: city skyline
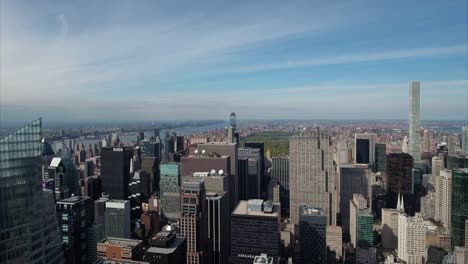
(69, 61)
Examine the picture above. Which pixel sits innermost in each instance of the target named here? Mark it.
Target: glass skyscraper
(22, 226)
(414, 147)
(459, 206)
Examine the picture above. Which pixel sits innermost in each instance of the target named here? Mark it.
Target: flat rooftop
(73, 199)
(158, 250)
(121, 242)
(305, 210)
(241, 209)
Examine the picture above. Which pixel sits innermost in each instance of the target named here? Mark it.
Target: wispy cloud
(354, 58)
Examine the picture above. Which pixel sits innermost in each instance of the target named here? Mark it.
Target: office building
(260, 146)
(457, 162)
(93, 187)
(25, 235)
(365, 148)
(99, 210)
(205, 162)
(459, 206)
(140, 192)
(411, 238)
(280, 173)
(193, 220)
(255, 230)
(354, 179)
(366, 255)
(117, 219)
(380, 157)
(444, 198)
(226, 149)
(390, 228)
(94, 234)
(115, 171)
(66, 177)
(399, 172)
(365, 251)
(253, 182)
(166, 247)
(312, 235)
(357, 204)
(170, 190)
(151, 148)
(335, 241)
(151, 165)
(75, 216)
(312, 175)
(217, 206)
(120, 249)
(414, 138)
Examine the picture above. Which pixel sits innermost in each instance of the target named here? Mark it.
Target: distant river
(131, 137)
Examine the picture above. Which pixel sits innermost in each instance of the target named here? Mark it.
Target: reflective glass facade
(459, 206)
(21, 223)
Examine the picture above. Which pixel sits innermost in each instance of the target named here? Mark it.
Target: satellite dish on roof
(203, 151)
(220, 172)
(196, 151)
(212, 171)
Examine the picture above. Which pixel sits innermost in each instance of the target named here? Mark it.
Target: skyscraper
(115, 171)
(414, 139)
(255, 230)
(193, 220)
(261, 147)
(357, 204)
(354, 179)
(312, 175)
(170, 190)
(280, 172)
(459, 206)
(365, 148)
(226, 149)
(75, 215)
(411, 238)
(117, 218)
(312, 236)
(233, 120)
(25, 237)
(66, 177)
(444, 199)
(253, 183)
(380, 157)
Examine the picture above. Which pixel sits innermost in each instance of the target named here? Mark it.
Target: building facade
(75, 216)
(280, 173)
(411, 238)
(255, 230)
(117, 219)
(115, 171)
(390, 228)
(170, 190)
(312, 236)
(22, 226)
(414, 138)
(459, 206)
(312, 175)
(444, 199)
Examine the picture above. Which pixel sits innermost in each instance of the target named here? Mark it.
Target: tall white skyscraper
(444, 199)
(312, 175)
(411, 238)
(414, 142)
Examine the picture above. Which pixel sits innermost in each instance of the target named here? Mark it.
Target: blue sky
(146, 60)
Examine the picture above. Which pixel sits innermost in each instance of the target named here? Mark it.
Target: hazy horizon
(148, 60)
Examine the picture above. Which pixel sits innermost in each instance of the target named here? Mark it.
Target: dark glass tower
(75, 216)
(115, 171)
(280, 172)
(312, 236)
(24, 228)
(380, 157)
(261, 147)
(459, 206)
